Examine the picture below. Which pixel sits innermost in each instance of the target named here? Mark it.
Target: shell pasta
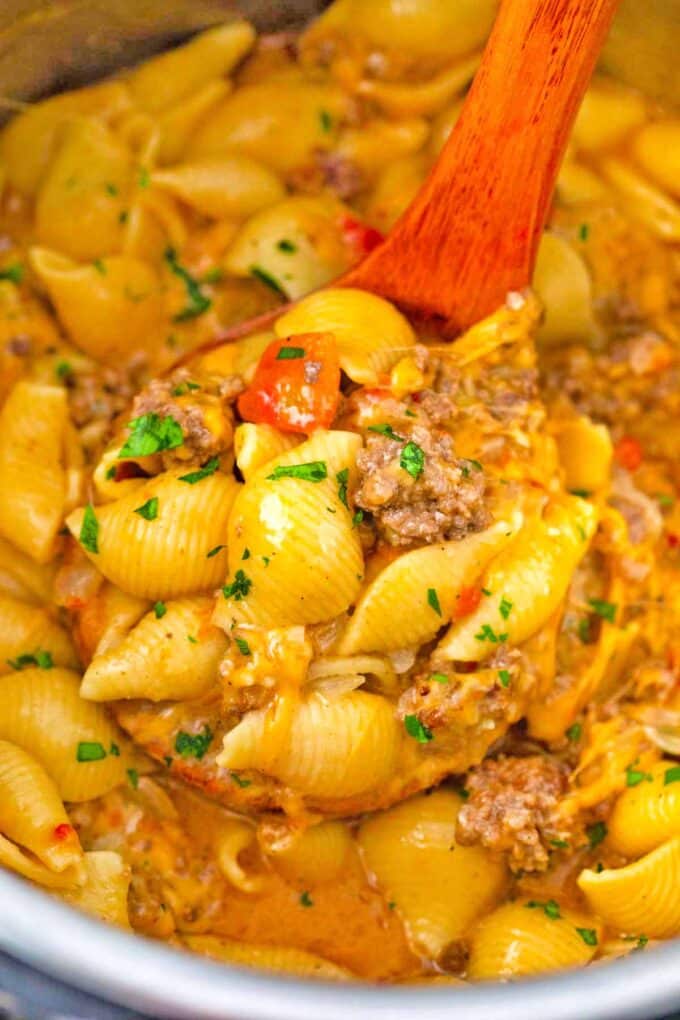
(336, 646)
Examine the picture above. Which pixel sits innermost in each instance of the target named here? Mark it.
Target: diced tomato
(467, 602)
(628, 453)
(673, 540)
(297, 384)
(63, 832)
(359, 236)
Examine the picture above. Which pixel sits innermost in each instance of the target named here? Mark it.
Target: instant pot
(58, 964)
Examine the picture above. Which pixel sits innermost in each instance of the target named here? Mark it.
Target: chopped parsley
(14, 272)
(246, 554)
(150, 433)
(90, 750)
(43, 660)
(193, 745)
(290, 353)
(486, 591)
(505, 607)
(111, 189)
(286, 246)
(148, 510)
(417, 730)
(197, 302)
(439, 678)
(314, 471)
(640, 940)
(111, 473)
(191, 639)
(144, 179)
(214, 551)
(583, 232)
(559, 844)
(584, 630)
(462, 792)
(504, 677)
(243, 646)
(412, 459)
(473, 463)
(326, 121)
(63, 369)
(114, 750)
(487, 633)
(575, 732)
(596, 833)
(358, 518)
(184, 387)
(665, 499)
(133, 778)
(160, 609)
(89, 530)
(238, 588)
(206, 471)
(100, 267)
(267, 279)
(671, 775)
(306, 900)
(433, 601)
(551, 908)
(386, 430)
(342, 478)
(243, 783)
(583, 493)
(589, 936)
(635, 776)
(213, 275)
(607, 610)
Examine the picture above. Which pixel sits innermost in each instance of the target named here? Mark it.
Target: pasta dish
(336, 649)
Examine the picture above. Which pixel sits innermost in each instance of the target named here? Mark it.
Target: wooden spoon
(472, 233)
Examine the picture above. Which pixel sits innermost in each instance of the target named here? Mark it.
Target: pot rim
(137, 972)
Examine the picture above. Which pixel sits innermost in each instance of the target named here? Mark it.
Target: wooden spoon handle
(472, 233)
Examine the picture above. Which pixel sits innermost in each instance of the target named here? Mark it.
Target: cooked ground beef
(512, 808)
(204, 413)
(445, 501)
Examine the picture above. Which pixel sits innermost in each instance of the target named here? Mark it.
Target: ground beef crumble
(204, 413)
(512, 808)
(445, 502)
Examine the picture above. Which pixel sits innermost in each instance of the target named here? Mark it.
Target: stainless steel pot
(56, 963)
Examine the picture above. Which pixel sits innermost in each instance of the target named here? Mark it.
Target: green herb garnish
(197, 302)
(433, 601)
(243, 646)
(589, 936)
(243, 783)
(607, 610)
(290, 353)
(289, 247)
(314, 471)
(671, 775)
(133, 778)
(596, 833)
(214, 551)
(43, 660)
(150, 433)
(14, 272)
(89, 530)
(505, 607)
(160, 609)
(417, 730)
(504, 677)
(193, 745)
(412, 459)
(238, 588)
(306, 900)
(575, 732)
(148, 510)
(487, 633)
(551, 908)
(205, 472)
(90, 750)
(386, 430)
(267, 279)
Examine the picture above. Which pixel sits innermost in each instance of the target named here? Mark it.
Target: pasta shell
(31, 811)
(178, 124)
(515, 941)
(528, 580)
(563, 283)
(28, 140)
(330, 749)
(646, 815)
(394, 612)
(42, 712)
(586, 453)
(643, 200)
(642, 897)
(606, 116)
(23, 578)
(103, 891)
(304, 559)
(33, 426)
(87, 183)
(372, 335)
(173, 76)
(281, 959)
(167, 659)
(257, 445)
(165, 557)
(315, 855)
(403, 99)
(315, 251)
(27, 630)
(280, 124)
(109, 312)
(439, 887)
(235, 837)
(656, 147)
(230, 186)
